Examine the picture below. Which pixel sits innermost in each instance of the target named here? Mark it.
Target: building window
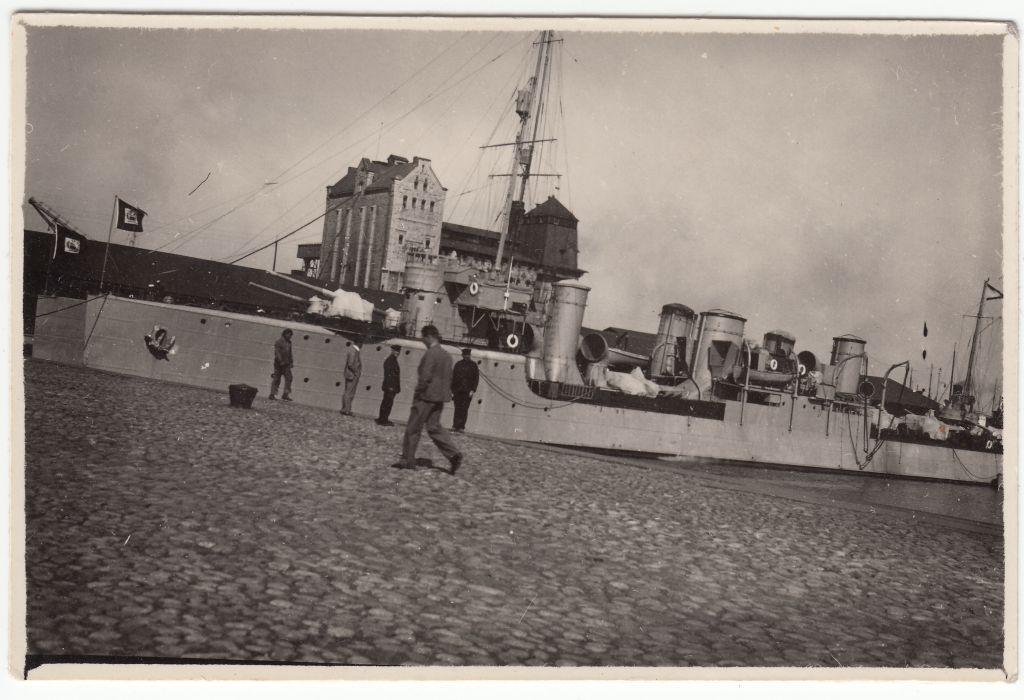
(423, 203)
(405, 202)
(413, 202)
(401, 238)
(416, 184)
(431, 206)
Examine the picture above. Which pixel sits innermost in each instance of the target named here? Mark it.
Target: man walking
(353, 369)
(391, 386)
(465, 377)
(282, 366)
(433, 388)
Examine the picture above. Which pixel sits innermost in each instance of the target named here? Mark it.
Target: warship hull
(214, 349)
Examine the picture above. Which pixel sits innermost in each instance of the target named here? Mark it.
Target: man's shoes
(286, 398)
(456, 462)
(401, 465)
(346, 413)
(388, 423)
(385, 423)
(272, 398)
(457, 430)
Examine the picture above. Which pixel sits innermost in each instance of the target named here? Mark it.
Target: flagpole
(106, 251)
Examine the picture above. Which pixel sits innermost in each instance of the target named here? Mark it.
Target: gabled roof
(478, 241)
(383, 174)
(142, 272)
(552, 207)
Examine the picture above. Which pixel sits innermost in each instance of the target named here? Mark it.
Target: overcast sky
(821, 184)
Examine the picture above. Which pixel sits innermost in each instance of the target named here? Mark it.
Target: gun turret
(342, 304)
(319, 290)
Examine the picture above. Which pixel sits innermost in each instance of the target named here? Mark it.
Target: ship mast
(529, 102)
(967, 393)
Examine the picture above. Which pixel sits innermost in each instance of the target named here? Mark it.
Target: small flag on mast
(129, 218)
(999, 295)
(68, 241)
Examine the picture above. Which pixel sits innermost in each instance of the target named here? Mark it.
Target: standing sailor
(391, 386)
(353, 369)
(282, 366)
(465, 378)
(433, 388)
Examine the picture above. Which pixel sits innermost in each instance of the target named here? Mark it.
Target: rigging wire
(564, 128)
(429, 98)
(516, 73)
(330, 138)
(373, 106)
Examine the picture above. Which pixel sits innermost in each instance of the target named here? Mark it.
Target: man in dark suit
(391, 386)
(433, 388)
(465, 378)
(282, 366)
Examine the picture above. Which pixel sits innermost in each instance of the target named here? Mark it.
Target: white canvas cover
(633, 383)
(342, 305)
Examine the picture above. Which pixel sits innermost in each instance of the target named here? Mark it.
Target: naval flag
(129, 218)
(67, 242)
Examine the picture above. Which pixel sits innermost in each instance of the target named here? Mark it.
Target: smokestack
(562, 331)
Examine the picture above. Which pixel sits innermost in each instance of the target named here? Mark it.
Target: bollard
(242, 395)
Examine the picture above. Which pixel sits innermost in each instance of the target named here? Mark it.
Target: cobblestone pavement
(162, 523)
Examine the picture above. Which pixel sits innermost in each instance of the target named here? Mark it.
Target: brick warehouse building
(381, 211)
(376, 214)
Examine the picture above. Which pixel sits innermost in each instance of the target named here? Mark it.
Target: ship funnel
(594, 348)
(562, 331)
(719, 339)
(675, 329)
(849, 362)
(424, 285)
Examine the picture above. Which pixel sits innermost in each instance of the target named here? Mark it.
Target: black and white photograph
(512, 345)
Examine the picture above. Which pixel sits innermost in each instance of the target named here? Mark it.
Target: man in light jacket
(433, 388)
(353, 370)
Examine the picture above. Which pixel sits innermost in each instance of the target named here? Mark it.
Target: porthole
(305, 337)
(408, 351)
(203, 321)
(479, 400)
(348, 344)
(479, 362)
(545, 410)
(327, 340)
(511, 366)
(305, 379)
(367, 387)
(379, 348)
(495, 364)
(337, 383)
(513, 405)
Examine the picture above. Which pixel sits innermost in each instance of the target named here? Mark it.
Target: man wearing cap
(391, 386)
(433, 388)
(353, 369)
(465, 377)
(282, 366)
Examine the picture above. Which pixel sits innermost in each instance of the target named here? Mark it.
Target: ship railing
(575, 391)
